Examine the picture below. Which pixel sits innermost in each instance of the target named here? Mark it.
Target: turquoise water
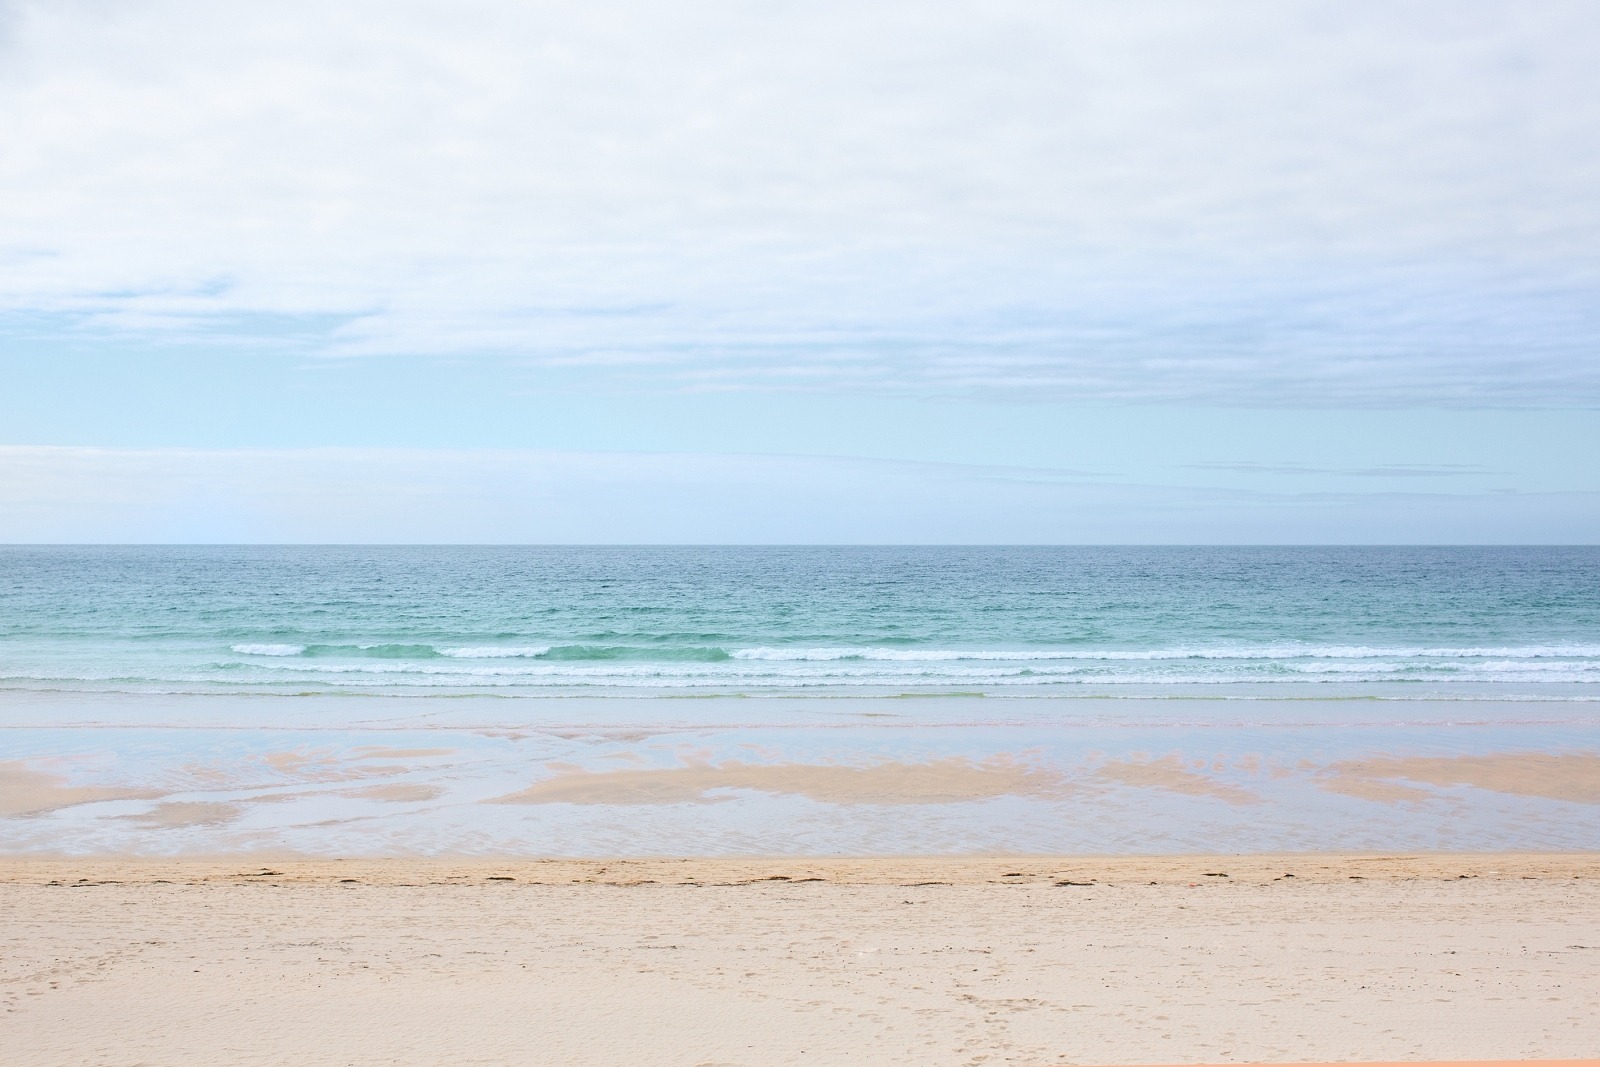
(1502, 623)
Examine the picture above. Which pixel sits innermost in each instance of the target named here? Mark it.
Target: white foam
(1266, 652)
(826, 654)
(847, 667)
(494, 652)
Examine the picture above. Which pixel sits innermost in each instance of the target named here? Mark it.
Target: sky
(488, 271)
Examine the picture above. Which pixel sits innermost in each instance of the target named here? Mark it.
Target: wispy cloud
(1285, 204)
(1384, 470)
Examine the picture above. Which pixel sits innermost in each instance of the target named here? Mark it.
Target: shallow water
(611, 777)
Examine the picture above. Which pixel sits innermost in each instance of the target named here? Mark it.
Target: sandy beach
(1125, 960)
(967, 881)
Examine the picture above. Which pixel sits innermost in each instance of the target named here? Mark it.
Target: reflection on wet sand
(1169, 773)
(330, 766)
(185, 813)
(947, 781)
(1374, 789)
(797, 791)
(26, 790)
(398, 793)
(1572, 777)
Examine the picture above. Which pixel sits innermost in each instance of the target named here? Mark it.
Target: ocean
(610, 701)
(1399, 622)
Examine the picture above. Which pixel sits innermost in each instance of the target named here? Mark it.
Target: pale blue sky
(859, 272)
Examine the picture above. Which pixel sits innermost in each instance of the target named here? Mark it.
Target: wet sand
(948, 781)
(800, 791)
(1572, 777)
(1117, 960)
(1568, 777)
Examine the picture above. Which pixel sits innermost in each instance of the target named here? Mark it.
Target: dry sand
(859, 961)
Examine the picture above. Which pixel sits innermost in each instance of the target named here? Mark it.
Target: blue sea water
(1405, 622)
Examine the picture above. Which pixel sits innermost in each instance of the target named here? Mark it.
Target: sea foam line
(1266, 652)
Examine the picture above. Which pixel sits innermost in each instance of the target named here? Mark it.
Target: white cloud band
(1367, 203)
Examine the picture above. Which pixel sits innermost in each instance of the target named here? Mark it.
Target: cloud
(332, 495)
(1295, 203)
(1385, 470)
